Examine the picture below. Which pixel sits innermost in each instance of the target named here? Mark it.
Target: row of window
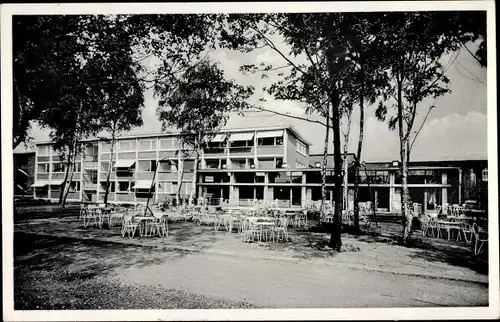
(57, 167)
(301, 148)
(272, 141)
(169, 187)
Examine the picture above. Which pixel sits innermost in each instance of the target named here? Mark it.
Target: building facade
(24, 174)
(242, 165)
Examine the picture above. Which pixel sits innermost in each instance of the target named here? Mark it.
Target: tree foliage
(413, 45)
(198, 104)
(45, 50)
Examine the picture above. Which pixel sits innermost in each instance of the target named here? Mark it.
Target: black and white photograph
(208, 161)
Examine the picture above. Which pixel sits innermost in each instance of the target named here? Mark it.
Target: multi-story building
(24, 173)
(242, 165)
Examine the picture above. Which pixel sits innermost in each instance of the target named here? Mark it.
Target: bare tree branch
(421, 126)
(289, 115)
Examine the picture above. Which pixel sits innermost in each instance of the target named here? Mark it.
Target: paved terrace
(374, 251)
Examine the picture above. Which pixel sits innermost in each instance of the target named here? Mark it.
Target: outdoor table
(103, 212)
(264, 226)
(142, 220)
(460, 218)
(449, 225)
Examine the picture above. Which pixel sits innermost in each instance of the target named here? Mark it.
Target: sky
(455, 129)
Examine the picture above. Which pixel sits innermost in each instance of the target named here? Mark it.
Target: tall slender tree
(198, 106)
(45, 50)
(316, 63)
(415, 43)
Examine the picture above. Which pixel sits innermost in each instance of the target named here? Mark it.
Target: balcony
(239, 166)
(241, 151)
(89, 186)
(270, 150)
(214, 152)
(90, 165)
(90, 158)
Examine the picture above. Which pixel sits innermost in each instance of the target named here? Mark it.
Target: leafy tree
(44, 50)
(319, 40)
(198, 105)
(72, 118)
(121, 89)
(369, 79)
(414, 44)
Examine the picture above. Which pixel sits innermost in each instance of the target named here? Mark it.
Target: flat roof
(176, 133)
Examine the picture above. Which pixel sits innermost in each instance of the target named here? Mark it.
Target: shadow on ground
(82, 258)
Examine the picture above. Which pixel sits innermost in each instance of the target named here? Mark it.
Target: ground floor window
(316, 193)
(246, 192)
(282, 193)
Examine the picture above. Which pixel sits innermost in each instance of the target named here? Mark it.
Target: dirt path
(300, 285)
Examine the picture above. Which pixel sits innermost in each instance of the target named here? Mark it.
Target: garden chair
(424, 224)
(91, 214)
(160, 226)
(434, 227)
(281, 229)
(301, 219)
(249, 231)
(480, 238)
(467, 230)
(129, 226)
(116, 215)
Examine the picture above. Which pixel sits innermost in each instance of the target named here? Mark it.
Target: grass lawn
(53, 290)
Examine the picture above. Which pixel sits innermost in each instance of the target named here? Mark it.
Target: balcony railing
(91, 165)
(245, 150)
(211, 152)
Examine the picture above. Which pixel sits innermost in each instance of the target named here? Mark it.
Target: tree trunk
(70, 168)
(195, 173)
(406, 216)
(324, 164)
(68, 185)
(108, 175)
(64, 184)
(179, 184)
(358, 160)
(405, 211)
(336, 238)
(345, 187)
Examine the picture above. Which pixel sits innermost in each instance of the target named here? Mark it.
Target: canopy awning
(143, 184)
(39, 184)
(241, 136)
(124, 163)
(219, 138)
(270, 134)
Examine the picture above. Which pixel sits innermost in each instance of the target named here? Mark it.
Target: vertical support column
(255, 145)
(425, 201)
(232, 197)
(99, 149)
(285, 143)
(303, 198)
(35, 171)
(228, 159)
(50, 172)
(444, 190)
(114, 158)
(376, 198)
(157, 165)
(136, 167)
(459, 186)
(266, 187)
(392, 189)
(180, 165)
